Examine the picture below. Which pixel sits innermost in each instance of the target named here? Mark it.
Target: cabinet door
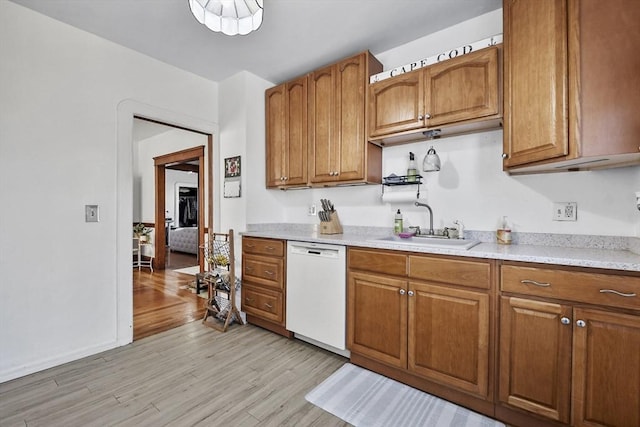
(296, 132)
(449, 336)
(535, 81)
(606, 369)
(323, 152)
(275, 105)
(377, 318)
(463, 88)
(535, 357)
(350, 117)
(396, 104)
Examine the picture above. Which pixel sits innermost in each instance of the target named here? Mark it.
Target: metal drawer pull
(269, 248)
(270, 273)
(402, 291)
(533, 282)
(581, 323)
(565, 320)
(268, 305)
(410, 293)
(622, 294)
(247, 268)
(247, 299)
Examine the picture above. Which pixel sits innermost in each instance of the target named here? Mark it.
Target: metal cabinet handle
(247, 268)
(247, 299)
(268, 305)
(581, 323)
(269, 248)
(427, 116)
(533, 282)
(402, 292)
(270, 273)
(622, 294)
(410, 293)
(565, 320)
(505, 155)
(420, 117)
(250, 245)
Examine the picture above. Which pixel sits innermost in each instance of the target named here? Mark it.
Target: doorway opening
(161, 299)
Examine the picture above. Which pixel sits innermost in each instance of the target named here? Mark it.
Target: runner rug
(366, 399)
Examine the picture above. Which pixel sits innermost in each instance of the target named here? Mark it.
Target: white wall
(471, 186)
(60, 91)
(243, 133)
(144, 171)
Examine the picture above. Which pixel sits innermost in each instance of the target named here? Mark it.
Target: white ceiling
(296, 35)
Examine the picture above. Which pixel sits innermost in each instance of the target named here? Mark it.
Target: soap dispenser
(397, 224)
(411, 170)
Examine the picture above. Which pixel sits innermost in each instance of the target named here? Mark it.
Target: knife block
(333, 226)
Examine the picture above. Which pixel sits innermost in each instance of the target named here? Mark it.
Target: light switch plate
(91, 213)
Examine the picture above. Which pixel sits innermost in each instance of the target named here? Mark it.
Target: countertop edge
(622, 260)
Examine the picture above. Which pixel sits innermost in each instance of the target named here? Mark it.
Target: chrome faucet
(431, 232)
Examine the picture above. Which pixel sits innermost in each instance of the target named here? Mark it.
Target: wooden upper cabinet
(457, 95)
(535, 81)
(396, 104)
(286, 134)
(462, 89)
(571, 85)
(338, 150)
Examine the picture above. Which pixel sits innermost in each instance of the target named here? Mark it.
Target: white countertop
(569, 256)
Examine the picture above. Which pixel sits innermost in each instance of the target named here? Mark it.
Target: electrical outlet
(565, 211)
(311, 211)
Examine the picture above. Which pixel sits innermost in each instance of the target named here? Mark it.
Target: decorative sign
(453, 53)
(232, 177)
(232, 167)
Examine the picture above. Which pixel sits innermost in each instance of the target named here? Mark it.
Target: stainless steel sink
(433, 242)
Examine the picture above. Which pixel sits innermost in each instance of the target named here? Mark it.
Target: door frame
(126, 111)
(160, 163)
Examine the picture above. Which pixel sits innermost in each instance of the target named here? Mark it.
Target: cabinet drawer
(602, 289)
(387, 262)
(263, 303)
(457, 272)
(254, 245)
(267, 271)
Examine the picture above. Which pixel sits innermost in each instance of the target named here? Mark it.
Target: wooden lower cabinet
(264, 283)
(606, 369)
(535, 357)
(449, 336)
(434, 336)
(377, 324)
(569, 361)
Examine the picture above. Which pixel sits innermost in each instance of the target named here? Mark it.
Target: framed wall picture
(232, 167)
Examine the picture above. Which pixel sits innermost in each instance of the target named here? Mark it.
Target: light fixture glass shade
(230, 17)
(431, 162)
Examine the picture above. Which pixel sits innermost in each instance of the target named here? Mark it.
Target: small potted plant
(141, 232)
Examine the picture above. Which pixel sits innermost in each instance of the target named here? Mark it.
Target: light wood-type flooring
(159, 303)
(187, 376)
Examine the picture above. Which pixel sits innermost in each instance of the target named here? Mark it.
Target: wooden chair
(221, 281)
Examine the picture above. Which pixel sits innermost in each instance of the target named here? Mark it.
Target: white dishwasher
(316, 294)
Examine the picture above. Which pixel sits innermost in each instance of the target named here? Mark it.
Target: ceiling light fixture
(230, 17)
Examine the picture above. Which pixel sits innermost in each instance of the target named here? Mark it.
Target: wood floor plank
(191, 375)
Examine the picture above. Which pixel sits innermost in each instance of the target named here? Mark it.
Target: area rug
(366, 399)
(189, 270)
(204, 293)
